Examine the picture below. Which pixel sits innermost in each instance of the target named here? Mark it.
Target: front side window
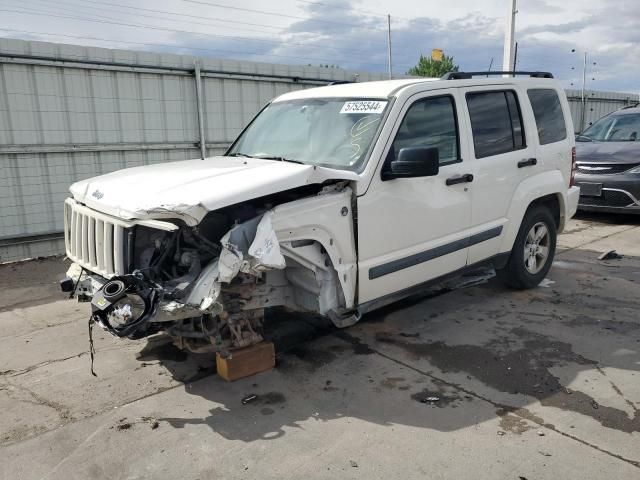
(333, 132)
(430, 122)
(548, 113)
(615, 128)
(496, 122)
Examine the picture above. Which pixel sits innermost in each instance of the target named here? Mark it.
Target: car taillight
(573, 167)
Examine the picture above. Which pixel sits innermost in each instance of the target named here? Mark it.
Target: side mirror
(415, 162)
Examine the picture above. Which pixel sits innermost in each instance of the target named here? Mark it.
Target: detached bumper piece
(124, 305)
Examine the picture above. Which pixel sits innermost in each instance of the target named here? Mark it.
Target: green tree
(427, 67)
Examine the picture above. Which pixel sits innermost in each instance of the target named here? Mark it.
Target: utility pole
(509, 37)
(584, 98)
(389, 45)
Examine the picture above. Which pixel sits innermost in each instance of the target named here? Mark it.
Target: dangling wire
(92, 350)
(75, 286)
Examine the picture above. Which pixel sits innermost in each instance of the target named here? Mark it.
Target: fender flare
(528, 191)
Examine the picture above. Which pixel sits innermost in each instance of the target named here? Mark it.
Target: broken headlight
(124, 304)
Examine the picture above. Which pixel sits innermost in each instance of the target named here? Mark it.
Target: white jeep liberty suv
(334, 200)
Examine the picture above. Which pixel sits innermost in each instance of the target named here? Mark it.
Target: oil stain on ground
(523, 369)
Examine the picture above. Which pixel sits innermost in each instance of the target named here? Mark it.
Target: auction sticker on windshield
(364, 106)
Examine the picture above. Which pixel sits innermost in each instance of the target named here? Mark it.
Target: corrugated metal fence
(597, 104)
(69, 112)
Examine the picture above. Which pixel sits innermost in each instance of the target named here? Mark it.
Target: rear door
(503, 154)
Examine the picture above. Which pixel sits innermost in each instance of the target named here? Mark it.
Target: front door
(412, 230)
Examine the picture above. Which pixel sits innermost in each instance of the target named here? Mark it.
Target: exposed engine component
(208, 285)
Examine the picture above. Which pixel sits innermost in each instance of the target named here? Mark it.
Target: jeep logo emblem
(98, 194)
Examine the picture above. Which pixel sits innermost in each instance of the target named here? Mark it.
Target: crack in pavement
(519, 411)
(617, 389)
(16, 373)
(577, 247)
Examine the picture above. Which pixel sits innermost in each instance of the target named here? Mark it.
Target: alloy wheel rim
(536, 248)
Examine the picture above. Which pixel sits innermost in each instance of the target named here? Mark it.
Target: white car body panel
(327, 219)
(355, 240)
(190, 189)
(427, 212)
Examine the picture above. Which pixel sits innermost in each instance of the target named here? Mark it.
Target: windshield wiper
(278, 158)
(265, 157)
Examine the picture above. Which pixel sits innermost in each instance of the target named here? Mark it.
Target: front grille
(96, 241)
(604, 168)
(608, 199)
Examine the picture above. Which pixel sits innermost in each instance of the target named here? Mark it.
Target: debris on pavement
(249, 399)
(610, 255)
(546, 283)
(153, 423)
(123, 426)
(432, 399)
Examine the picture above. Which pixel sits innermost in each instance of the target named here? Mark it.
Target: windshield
(615, 128)
(332, 132)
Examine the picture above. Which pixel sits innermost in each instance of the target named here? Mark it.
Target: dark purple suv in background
(608, 160)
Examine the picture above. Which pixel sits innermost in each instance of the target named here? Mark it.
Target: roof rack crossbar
(468, 75)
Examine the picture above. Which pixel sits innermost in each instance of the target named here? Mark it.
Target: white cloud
(353, 34)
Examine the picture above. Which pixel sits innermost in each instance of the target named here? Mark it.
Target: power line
(200, 17)
(182, 47)
(151, 27)
(265, 12)
(97, 15)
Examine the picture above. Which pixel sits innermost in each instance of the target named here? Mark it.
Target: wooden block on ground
(245, 362)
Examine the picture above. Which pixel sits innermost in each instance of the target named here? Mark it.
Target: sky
(552, 35)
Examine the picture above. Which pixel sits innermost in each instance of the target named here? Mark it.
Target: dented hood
(189, 189)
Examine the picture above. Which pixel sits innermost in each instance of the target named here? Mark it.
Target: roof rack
(633, 105)
(468, 75)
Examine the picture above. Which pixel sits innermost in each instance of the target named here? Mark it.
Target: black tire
(521, 273)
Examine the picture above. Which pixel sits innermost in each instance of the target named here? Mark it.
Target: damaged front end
(208, 285)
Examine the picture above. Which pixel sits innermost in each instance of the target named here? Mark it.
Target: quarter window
(496, 122)
(549, 117)
(430, 122)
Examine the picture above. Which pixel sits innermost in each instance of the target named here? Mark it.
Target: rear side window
(430, 122)
(548, 112)
(496, 122)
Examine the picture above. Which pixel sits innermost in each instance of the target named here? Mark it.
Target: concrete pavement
(533, 384)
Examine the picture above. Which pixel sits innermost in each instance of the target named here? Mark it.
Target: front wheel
(533, 250)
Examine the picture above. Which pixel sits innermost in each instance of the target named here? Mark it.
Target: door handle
(527, 162)
(466, 178)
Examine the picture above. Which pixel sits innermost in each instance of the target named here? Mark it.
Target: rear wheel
(533, 250)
